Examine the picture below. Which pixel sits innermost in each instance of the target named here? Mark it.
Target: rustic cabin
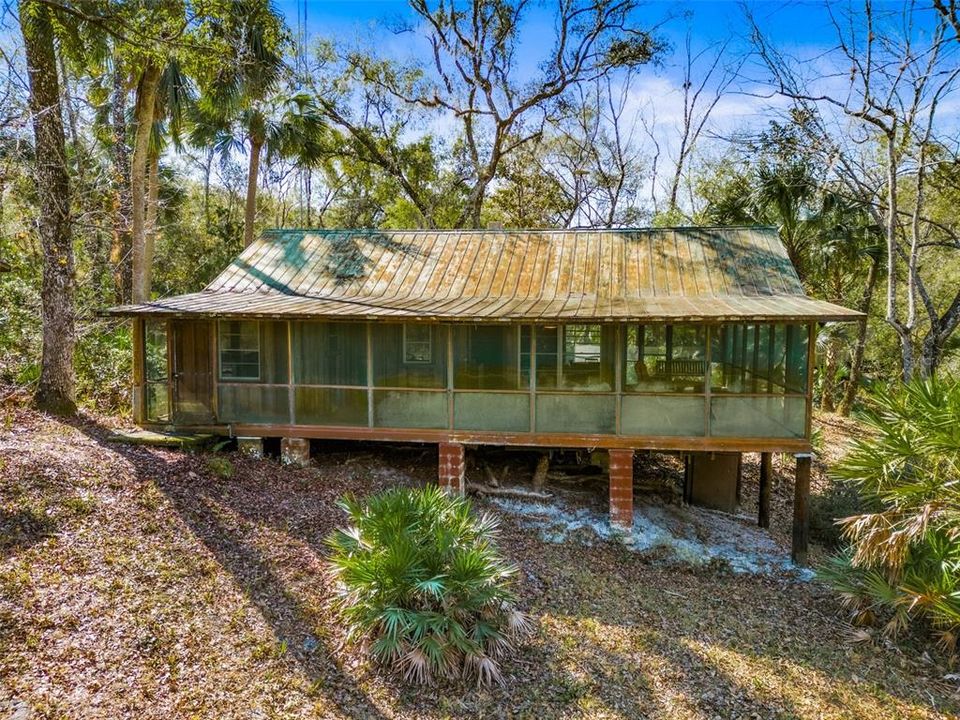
(698, 341)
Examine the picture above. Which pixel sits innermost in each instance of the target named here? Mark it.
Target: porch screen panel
(329, 353)
(248, 403)
(274, 367)
(576, 357)
(775, 416)
(588, 353)
(487, 357)
(330, 406)
(409, 355)
(580, 413)
(670, 415)
(665, 358)
(409, 409)
(759, 359)
(796, 345)
(155, 361)
(497, 412)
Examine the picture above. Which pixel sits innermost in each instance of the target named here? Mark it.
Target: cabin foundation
(621, 489)
(251, 447)
(452, 468)
(714, 480)
(295, 452)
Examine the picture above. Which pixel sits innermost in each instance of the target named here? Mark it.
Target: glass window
(391, 370)
(417, 344)
(239, 350)
(487, 357)
(665, 358)
(330, 353)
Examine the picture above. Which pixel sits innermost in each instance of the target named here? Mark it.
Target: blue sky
(804, 23)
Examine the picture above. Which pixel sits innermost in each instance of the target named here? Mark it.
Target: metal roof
(500, 275)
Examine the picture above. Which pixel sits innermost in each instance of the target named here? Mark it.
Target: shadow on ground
(618, 635)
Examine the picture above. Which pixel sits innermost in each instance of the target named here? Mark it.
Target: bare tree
(706, 79)
(886, 102)
(472, 79)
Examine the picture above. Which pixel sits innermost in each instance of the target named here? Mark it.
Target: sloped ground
(137, 582)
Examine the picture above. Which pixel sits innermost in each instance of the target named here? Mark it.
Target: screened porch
(732, 380)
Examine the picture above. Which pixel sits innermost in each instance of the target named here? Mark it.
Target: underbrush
(901, 566)
(422, 585)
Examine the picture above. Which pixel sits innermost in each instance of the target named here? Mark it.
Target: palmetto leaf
(904, 558)
(420, 581)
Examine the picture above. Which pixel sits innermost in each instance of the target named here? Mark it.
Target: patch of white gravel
(676, 534)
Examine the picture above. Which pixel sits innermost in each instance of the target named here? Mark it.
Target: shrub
(422, 586)
(838, 501)
(903, 560)
(220, 466)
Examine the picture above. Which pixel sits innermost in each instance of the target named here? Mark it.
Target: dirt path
(140, 583)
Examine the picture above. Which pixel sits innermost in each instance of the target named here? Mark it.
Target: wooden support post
(295, 451)
(452, 468)
(739, 492)
(540, 473)
(801, 509)
(766, 478)
(251, 447)
(621, 489)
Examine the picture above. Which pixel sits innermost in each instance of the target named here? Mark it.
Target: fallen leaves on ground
(138, 582)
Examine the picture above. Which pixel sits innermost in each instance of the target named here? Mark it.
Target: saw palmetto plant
(903, 560)
(422, 586)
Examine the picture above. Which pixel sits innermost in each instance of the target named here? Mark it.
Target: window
(417, 344)
(239, 350)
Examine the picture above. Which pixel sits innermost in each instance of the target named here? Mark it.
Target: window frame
(428, 342)
(221, 349)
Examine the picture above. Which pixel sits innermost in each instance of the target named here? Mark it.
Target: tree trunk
(144, 112)
(150, 237)
(250, 211)
(831, 363)
(207, 169)
(56, 389)
(856, 365)
(120, 243)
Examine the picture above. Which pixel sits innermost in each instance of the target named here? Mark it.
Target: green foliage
(220, 466)
(838, 501)
(421, 582)
(904, 556)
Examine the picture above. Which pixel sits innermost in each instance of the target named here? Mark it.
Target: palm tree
(280, 125)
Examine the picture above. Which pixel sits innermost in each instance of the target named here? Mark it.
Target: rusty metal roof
(642, 274)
